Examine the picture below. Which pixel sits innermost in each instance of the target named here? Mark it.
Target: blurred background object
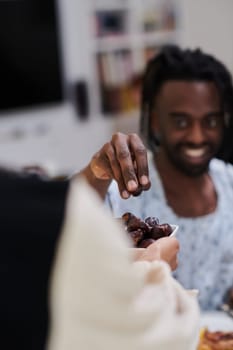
(81, 99)
(228, 302)
(30, 60)
(71, 70)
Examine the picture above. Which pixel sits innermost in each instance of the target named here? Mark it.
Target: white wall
(209, 25)
(54, 135)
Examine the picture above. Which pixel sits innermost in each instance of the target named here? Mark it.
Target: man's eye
(181, 123)
(212, 122)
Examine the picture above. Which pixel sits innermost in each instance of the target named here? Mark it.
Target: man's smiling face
(188, 117)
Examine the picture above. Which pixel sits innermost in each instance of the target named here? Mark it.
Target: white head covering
(102, 300)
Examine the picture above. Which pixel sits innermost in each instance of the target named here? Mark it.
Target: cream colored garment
(100, 299)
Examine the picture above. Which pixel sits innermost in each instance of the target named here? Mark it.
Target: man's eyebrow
(185, 114)
(179, 114)
(215, 113)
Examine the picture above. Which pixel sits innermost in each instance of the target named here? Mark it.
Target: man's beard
(191, 170)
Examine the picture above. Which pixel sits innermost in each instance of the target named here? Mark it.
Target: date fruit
(144, 232)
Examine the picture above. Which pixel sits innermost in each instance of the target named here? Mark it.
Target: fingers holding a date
(124, 159)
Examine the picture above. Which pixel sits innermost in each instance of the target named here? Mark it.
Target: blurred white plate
(216, 321)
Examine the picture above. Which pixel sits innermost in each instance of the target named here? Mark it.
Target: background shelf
(124, 38)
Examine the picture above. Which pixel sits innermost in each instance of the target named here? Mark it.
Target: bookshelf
(125, 34)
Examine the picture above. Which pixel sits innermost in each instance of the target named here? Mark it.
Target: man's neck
(188, 196)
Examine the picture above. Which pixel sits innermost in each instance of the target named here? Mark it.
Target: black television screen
(30, 69)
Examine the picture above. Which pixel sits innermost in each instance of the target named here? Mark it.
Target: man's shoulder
(222, 170)
(220, 165)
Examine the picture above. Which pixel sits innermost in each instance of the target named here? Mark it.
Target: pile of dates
(144, 232)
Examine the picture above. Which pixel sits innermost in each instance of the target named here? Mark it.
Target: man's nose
(197, 134)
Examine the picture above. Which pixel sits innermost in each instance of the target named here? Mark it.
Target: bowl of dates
(145, 232)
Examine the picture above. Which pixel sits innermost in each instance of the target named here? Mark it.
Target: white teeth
(195, 152)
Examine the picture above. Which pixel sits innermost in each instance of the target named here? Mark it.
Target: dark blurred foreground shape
(31, 217)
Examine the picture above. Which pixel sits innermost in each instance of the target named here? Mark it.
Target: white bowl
(174, 230)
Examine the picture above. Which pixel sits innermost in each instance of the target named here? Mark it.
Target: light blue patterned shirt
(206, 242)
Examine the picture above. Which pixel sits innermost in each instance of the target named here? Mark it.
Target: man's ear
(154, 130)
(154, 122)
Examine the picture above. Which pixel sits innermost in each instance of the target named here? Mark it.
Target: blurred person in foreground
(186, 123)
(101, 300)
(32, 209)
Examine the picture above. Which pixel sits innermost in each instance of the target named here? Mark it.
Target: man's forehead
(174, 85)
(182, 90)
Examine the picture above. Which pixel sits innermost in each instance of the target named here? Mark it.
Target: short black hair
(175, 63)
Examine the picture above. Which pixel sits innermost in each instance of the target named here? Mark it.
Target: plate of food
(215, 340)
(216, 331)
(145, 232)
